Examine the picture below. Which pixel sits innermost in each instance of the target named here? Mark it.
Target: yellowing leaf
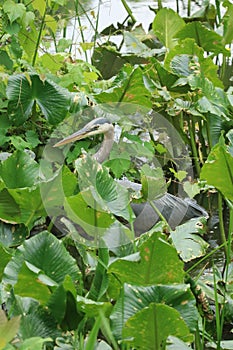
(51, 23)
(39, 5)
(8, 329)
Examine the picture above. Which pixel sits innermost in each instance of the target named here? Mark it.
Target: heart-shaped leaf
(25, 90)
(134, 298)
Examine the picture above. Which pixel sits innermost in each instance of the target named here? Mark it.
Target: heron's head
(95, 127)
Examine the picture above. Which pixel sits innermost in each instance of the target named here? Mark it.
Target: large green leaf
(19, 170)
(135, 298)
(165, 26)
(28, 213)
(30, 285)
(150, 327)
(23, 90)
(188, 47)
(9, 209)
(59, 299)
(186, 240)
(93, 222)
(54, 190)
(213, 99)
(128, 87)
(107, 194)
(151, 268)
(107, 60)
(36, 321)
(165, 76)
(218, 169)
(47, 257)
(204, 37)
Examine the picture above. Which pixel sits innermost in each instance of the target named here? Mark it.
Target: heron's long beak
(78, 135)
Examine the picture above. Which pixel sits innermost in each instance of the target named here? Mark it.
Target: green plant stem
(191, 127)
(129, 11)
(73, 33)
(205, 258)
(189, 8)
(202, 140)
(81, 31)
(219, 316)
(107, 330)
(221, 225)
(177, 6)
(223, 67)
(208, 135)
(198, 345)
(50, 226)
(39, 36)
(96, 26)
(78, 4)
(230, 233)
(160, 4)
(65, 30)
(217, 5)
(231, 222)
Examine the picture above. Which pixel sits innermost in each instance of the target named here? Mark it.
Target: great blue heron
(174, 209)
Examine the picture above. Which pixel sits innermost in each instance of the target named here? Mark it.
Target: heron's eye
(95, 127)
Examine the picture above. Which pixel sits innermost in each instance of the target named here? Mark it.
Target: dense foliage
(72, 275)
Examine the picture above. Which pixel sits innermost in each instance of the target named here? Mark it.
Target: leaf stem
(129, 11)
(81, 31)
(208, 135)
(191, 127)
(39, 37)
(222, 235)
(202, 140)
(189, 8)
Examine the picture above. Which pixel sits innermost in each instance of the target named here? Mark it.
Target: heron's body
(174, 209)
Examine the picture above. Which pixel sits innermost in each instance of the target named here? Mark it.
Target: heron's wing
(174, 209)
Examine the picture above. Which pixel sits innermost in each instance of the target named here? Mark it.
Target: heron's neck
(106, 146)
